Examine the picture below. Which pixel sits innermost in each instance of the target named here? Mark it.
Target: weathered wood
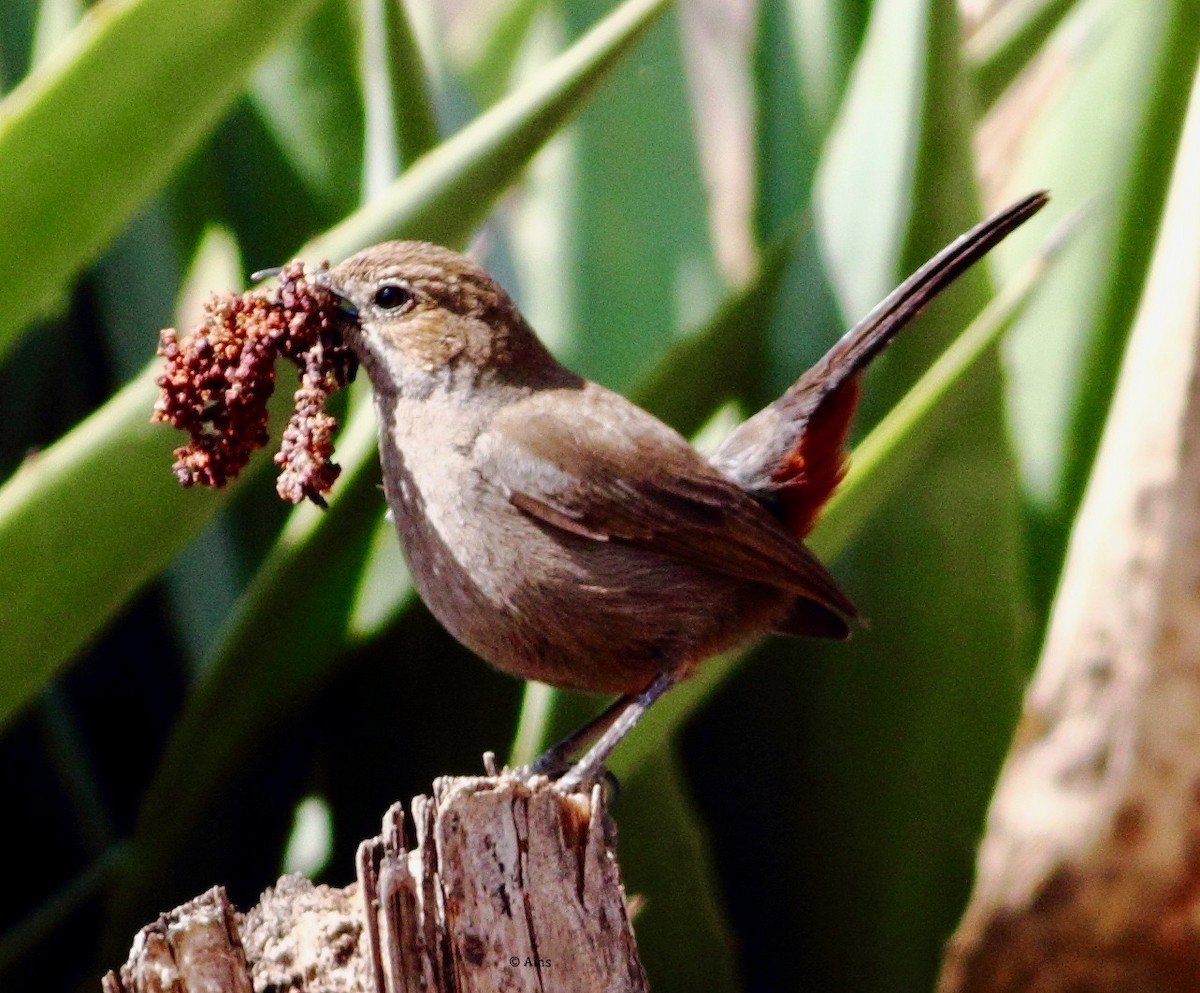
(511, 886)
(196, 946)
(1089, 874)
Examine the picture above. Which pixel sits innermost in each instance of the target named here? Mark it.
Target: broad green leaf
(941, 706)
(449, 191)
(683, 934)
(638, 263)
(55, 20)
(401, 123)
(287, 161)
(493, 41)
(247, 179)
(305, 594)
(803, 53)
(136, 280)
(103, 124)
(709, 366)
(77, 539)
(802, 61)
(384, 586)
(307, 94)
(862, 240)
(1063, 355)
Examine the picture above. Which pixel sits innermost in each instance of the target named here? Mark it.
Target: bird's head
(417, 313)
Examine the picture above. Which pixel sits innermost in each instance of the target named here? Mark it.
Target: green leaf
(1007, 42)
(804, 50)
(401, 124)
(77, 540)
(448, 192)
(307, 94)
(803, 58)
(639, 259)
(862, 235)
(1063, 355)
(104, 123)
(494, 40)
(709, 366)
(55, 20)
(683, 935)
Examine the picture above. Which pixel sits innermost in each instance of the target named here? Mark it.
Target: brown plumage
(566, 535)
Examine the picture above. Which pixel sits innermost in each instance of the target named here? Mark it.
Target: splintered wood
(510, 887)
(193, 947)
(519, 891)
(1089, 874)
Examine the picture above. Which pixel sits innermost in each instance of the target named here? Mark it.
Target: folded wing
(605, 470)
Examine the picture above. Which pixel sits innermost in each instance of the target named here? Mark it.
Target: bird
(564, 534)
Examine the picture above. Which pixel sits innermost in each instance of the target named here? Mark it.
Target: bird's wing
(592, 464)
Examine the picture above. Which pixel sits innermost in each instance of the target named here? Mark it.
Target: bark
(511, 886)
(1089, 873)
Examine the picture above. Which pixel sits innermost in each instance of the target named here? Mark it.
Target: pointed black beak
(345, 306)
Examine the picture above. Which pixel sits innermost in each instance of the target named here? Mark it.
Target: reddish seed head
(218, 379)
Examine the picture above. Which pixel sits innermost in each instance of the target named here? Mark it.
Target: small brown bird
(566, 535)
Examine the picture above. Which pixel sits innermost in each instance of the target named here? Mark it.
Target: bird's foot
(567, 776)
(602, 734)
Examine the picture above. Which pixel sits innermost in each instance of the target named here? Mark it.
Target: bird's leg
(620, 719)
(556, 759)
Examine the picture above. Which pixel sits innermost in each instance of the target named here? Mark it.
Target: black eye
(392, 295)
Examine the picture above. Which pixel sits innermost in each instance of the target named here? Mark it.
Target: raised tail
(791, 454)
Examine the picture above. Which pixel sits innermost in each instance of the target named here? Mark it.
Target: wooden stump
(510, 886)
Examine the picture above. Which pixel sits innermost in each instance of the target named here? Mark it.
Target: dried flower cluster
(219, 378)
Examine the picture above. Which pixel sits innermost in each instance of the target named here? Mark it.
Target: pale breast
(538, 602)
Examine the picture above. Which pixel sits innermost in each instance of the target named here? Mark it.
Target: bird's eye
(390, 296)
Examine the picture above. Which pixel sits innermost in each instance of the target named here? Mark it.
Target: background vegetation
(690, 203)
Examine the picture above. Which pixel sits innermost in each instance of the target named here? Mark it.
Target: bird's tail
(791, 454)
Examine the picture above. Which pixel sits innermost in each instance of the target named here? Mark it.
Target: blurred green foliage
(690, 203)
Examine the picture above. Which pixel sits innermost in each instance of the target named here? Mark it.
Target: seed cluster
(218, 379)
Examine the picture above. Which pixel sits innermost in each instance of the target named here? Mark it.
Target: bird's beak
(321, 278)
(344, 304)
